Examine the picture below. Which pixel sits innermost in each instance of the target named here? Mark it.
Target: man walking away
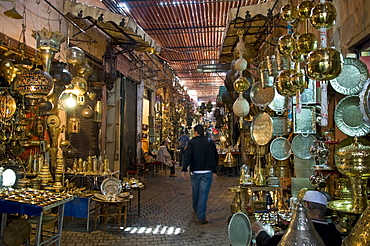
(202, 158)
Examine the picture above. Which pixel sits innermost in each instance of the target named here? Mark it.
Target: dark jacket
(327, 231)
(201, 154)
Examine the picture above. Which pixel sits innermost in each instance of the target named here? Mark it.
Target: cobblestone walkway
(166, 217)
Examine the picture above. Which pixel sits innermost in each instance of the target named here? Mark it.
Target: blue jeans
(201, 185)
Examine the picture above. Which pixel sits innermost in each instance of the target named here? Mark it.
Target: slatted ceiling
(190, 32)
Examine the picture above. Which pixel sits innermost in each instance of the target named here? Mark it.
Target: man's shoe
(173, 175)
(202, 222)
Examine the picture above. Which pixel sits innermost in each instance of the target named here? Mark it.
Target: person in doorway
(183, 143)
(201, 158)
(165, 155)
(315, 202)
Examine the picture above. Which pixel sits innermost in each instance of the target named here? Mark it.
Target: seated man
(315, 202)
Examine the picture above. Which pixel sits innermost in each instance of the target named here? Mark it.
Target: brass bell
(301, 230)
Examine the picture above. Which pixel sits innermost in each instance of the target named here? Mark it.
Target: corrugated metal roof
(190, 33)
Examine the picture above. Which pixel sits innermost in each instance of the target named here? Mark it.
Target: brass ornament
(7, 105)
(288, 12)
(324, 64)
(241, 84)
(283, 83)
(306, 43)
(323, 15)
(304, 9)
(286, 44)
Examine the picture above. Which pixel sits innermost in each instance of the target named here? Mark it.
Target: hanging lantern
(74, 125)
(48, 43)
(109, 60)
(7, 105)
(81, 100)
(8, 70)
(79, 86)
(75, 56)
(84, 70)
(34, 83)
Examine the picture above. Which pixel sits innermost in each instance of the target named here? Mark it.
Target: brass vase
(355, 163)
(360, 233)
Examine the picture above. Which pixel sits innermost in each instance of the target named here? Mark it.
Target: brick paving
(166, 217)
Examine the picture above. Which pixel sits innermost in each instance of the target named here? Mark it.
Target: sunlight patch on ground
(159, 229)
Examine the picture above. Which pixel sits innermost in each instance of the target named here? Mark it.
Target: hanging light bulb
(71, 101)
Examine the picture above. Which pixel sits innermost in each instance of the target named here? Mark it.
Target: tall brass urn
(355, 163)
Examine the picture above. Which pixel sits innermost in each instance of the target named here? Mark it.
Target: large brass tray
(349, 119)
(352, 79)
(261, 128)
(344, 206)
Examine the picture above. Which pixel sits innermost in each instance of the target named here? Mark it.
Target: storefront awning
(257, 21)
(122, 29)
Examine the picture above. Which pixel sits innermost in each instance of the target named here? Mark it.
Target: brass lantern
(74, 125)
(34, 83)
(7, 105)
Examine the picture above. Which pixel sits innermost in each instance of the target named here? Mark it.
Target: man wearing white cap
(315, 202)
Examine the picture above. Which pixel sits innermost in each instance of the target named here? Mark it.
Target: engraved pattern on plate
(349, 119)
(280, 148)
(279, 104)
(305, 122)
(279, 124)
(353, 77)
(261, 128)
(308, 96)
(261, 96)
(301, 146)
(365, 101)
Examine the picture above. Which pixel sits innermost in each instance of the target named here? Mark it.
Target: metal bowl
(324, 64)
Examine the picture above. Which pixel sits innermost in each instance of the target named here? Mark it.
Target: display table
(110, 210)
(12, 207)
(79, 207)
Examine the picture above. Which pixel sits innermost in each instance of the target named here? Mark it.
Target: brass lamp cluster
(321, 63)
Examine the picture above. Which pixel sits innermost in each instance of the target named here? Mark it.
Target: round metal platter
(261, 128)
(349, 118)
(111, 185)
(261, 96)
(301, 146)
(352, 79)
(365, 101)
(279, 103)
(240, 230)
(280, 148)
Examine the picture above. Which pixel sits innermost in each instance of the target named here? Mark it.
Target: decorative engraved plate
(280, 126)
(261, 128)
(349, 118)
(301, 146)
(353, 77)
(280, 148)
(305, 121)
